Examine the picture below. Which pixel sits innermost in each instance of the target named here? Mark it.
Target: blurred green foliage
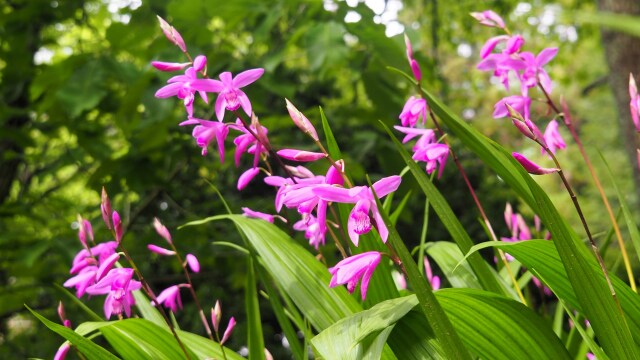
(78, 112)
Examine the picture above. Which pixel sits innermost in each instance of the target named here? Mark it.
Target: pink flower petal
(193, 263)
(247, 77)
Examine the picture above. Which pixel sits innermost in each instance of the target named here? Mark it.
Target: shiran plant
(403, 311)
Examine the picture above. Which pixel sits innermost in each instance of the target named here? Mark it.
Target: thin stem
(596, 180)
(266, 145)
(576, 204)
(334, 164)
(423, 236)
(478, 204)
(333, 235)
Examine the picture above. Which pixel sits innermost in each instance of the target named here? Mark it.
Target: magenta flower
(414, 109)
(634, 104)
(519, 103)
(118, 285)
(488, 18)
(359, 221)
(353, 269)
(206, 132)
(85, 278)
(107, 265)
(534, 71)
(231, 97)
(184, 87)
(170, 297)
(552, 137)
(312, 230)
(531, 167)
(248, 143)
(433, 154)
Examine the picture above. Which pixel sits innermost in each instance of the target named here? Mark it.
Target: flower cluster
(427, 148)
(503, 56)
(93, 266)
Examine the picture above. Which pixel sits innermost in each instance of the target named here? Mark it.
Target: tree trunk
(622, 52)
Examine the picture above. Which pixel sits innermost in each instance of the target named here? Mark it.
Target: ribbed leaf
(90, 350)
(541, 258)
(255, 338)
(332, 144)
(140, 338)
(450, 260)
(590, 287)
(204, 348)
(491, 326)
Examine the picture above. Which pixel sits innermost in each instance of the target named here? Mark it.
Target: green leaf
(85, 346)
(78, 302)
(541, 258)
(620, 22)
(332, 144)
(148, 311)
(204, 348)
(255, 338)
(296, 272)
(449, 219)
(628, 217)
(140, 338)
(451, 261)
(448, 339)
(495, 327)
(346, 339)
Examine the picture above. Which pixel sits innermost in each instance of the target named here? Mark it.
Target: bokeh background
(77, 112)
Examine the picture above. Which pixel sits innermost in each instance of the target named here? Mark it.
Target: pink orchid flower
(118, 285)
(534, 71)
(184, 87)
(248, 143)
(206, 132)
(414, 109)
(433, 154)
(353, 269)
(231, 97)
(552, 137)
(170, 297)
(519, 103)
(359, 221)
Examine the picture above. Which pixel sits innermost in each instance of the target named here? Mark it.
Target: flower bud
(301, 121)
(531, 167)
(172, 34)
(216, 315)
(300, 155)
(105, 207)
(246, 177)
(117, 226)
(160, 250)
(227, 332)
(169, 66)
(162, 230)
(193, 263)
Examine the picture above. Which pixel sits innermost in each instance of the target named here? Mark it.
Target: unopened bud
(105, 206)
(301, 121)
(216, 315)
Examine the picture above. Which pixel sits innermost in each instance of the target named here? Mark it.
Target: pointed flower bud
(227, 332)
(117, 225)
(61, 313)
(162, 230)
(172, 34)
(193, 263)
(216, 315)
(199, 63)
(565, 111)
(488, 18)
(300, 155)
(160, 250)
(105, 207)
(246, 177)
(531, 167)
(169, 66)
(301, 121)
